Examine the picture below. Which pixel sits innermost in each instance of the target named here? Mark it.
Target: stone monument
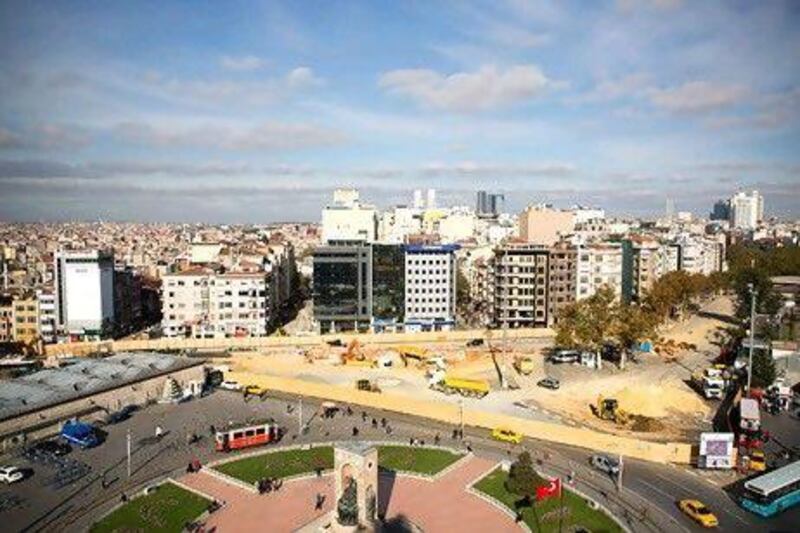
(355, 486)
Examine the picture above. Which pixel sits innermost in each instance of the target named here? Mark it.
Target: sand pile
(657, 401)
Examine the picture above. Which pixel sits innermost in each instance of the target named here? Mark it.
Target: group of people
(268, 484)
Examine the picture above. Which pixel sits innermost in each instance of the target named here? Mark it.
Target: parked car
(549, 383)
(565, 356)
(474, 342)
(604, 463)
(697, 511)
(230, 385)
(11, 474)
(50, 447)
(506, 435)
(123, 414)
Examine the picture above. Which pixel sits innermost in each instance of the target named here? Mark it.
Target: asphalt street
(646, 501)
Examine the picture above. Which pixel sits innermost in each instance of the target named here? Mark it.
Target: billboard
(716, 450)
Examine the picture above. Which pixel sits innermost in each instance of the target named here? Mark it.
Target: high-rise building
(342, 287)
(562, 278)
(430, 288)
(488, 204)
(721, 210)
(84, 285)
(384, 287)
(746, 210)
(431, 202)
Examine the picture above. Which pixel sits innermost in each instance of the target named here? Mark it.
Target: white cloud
(498, 170)
(486, 88)
(264, 136)
(9, 139)
(614, 89)
(242, 63)
(698, 97)
(302, 77)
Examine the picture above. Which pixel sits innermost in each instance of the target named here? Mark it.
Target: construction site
(652, 398)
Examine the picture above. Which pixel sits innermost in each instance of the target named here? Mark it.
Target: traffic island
(416, 460)
(281, 464)
(166, 507)
(569, 512)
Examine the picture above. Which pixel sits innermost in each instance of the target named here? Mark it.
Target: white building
(430, 289)
(47, 316)
(84, 283)
(458, 225)
(203, 304)
(746, 210)
(347, 219)
(398, 223)
(598, 265)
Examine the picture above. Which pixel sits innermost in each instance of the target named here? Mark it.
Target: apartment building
(521, 274)
(6, 318)
(598, 265)
(84, 285)
(562, 279)
(203, 303)
(545, 225)
(430, 287)
(746, 210)
(642, 265)
(25, 319)
(47, 315)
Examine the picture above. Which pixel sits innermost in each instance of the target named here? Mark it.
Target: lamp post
(753, 295)
(129, 452)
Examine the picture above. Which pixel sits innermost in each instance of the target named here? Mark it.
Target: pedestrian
(319, 502)
(455, 434)
(159, 432)
(374, 424)
(363, 416)
(123, 498)
(383, 422)
(212, 430)
(436, 439)
(411, 441)
(355, 431)
(388, 429)
(349, 411)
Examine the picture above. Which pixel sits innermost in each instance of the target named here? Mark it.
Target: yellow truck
(474, 388)
(523, 364)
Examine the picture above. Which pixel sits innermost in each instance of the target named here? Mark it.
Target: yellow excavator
(609, 409)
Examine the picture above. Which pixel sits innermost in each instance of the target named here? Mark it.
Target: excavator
(354, 355)
(412, 352)
(609, 409)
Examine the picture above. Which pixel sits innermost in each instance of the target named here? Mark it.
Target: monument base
(327, 523)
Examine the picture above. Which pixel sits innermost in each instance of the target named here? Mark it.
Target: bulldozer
(609, 409)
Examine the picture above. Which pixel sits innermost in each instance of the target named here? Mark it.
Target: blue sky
(254, 112)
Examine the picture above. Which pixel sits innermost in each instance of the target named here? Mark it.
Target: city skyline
(245, 113)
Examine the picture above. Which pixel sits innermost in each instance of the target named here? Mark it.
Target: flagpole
(560, 505)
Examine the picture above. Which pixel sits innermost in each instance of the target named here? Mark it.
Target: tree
(587, 323)
(633, 324)
(522, 478)
(763, 369)
(767, 302)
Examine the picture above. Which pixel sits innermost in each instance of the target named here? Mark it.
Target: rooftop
(87, 376)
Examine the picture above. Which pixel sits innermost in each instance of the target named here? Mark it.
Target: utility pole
(753, 295)
(129, 453)
(300, 417)
(461, 416)
(619, 474)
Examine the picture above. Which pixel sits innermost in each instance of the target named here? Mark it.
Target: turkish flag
(551, 490)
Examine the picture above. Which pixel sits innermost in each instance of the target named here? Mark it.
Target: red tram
(245, 436)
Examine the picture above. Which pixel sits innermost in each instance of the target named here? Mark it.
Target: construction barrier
(451, 414)
(250, 343)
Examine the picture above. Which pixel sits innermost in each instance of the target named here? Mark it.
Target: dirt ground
(649, 387)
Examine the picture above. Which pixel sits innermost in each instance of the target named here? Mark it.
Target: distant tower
(670, 209)
(431, 198)
(418, 203)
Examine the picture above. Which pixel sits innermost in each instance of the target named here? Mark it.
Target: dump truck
(609, 409)
(524, 364)
(474, 388)
(710, 383)
(411, 352)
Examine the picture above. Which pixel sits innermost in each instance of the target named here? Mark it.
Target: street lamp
(753, 296)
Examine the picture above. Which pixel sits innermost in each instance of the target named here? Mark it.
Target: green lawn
(421, 460)
(544, 516)
(166, 510)
(279, 464)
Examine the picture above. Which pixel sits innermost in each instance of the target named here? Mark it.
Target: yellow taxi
(697, 511)
(255, 390)
(757, 461)
(506, 435)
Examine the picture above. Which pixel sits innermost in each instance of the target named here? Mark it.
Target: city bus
(774, 492)
(246, 436)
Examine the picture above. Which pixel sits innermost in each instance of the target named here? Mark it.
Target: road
(647, 499)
